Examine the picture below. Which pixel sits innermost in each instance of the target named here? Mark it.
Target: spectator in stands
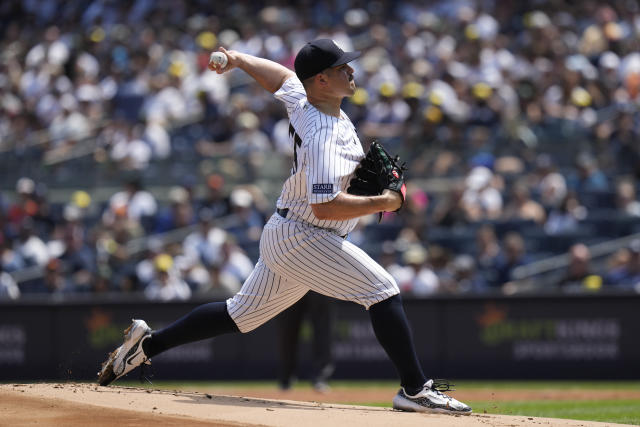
(626, 199)
(466, 278)
(548, 184)
(418, 278)
(204, 245)
(29, 246)
(129, 150)
(178, 214)
(523, 207)
(8, 287)
(386, 116)
(69, 125)
(487, 251)
(54, 281)
(389, 258)
(27, 203)
(414, 211)
(10, 260)
(78, 261)
(145, 268)
(225, 264)
(579, 275)
(627, 275)
(440, 264)
(250, 143)
(449, 210)
(132, 204)
(158, 139)
(167, 284)
(116, 267)
(513, 255)
(235, 267)
(480, 200)
(250, 138)
(216, 199)
(566, 217)
(588, 177)
(246, 220)
(622, 142)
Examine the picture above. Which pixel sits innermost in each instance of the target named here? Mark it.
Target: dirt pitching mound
(72, 404)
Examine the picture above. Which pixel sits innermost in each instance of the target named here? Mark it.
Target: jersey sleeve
(323, 173)
(291, 93)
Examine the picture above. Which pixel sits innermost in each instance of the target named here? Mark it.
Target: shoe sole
(403, 404)
(106, 373)
(107, 376)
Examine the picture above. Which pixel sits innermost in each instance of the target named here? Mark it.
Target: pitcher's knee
(378, 297)
(393, 300)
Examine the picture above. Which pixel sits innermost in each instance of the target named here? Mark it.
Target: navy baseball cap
(318, 55)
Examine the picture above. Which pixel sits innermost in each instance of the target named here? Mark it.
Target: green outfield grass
(556, 385)
(614, 411)
(623, 411)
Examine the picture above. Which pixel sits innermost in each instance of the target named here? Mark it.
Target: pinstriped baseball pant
(296, 257)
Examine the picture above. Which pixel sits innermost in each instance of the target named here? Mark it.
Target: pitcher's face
(341, 81)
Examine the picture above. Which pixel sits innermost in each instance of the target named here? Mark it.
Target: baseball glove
(377, 172)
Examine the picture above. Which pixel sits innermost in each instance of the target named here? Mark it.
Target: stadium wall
(543, 337)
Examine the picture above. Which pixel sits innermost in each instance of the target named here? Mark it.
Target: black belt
(283, 213)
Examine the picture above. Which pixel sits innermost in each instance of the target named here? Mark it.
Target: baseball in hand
(217, 60)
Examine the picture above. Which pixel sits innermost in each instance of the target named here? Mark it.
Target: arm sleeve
(291, 93)
(323, 173)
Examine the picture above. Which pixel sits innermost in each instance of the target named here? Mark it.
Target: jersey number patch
(297, 142)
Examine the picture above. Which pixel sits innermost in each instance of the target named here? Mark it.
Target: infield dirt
(74, 404)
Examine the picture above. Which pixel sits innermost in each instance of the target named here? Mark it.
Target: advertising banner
(541, 338)
(517, 337)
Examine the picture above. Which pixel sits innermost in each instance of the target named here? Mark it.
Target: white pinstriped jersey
(326, 153)
(300, 252)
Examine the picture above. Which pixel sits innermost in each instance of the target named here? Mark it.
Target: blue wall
(577, 337)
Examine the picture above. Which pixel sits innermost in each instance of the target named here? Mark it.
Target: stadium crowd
(518, 120)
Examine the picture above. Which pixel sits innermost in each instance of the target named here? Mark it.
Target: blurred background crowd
(127, 166)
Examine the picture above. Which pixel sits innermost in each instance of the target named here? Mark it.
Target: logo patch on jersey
(322, 189)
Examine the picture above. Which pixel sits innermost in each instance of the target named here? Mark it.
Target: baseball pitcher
(303, 247)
